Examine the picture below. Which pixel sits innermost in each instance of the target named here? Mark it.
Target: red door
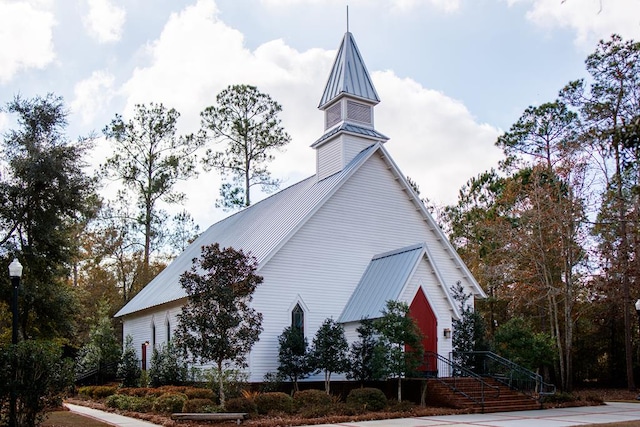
(420, 310)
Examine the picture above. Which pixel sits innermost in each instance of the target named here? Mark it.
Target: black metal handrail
(449, 373)
(488, 364)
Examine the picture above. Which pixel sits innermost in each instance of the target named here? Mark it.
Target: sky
(451, 74)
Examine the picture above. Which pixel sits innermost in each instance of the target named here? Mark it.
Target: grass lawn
(71, 419)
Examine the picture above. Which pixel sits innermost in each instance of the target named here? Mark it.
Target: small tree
(469, 332)
(329, 351)
(517, 341)
(39, 375)
(102, 352)
(167, 366)
(365, 363)
(218, 323)
(402, 340)
(247, 120)
(292, 356)
(129, 366)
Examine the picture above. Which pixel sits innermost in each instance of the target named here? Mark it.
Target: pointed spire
(349, 76)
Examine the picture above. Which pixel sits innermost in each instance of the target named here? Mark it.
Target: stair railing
(488, 364)
(450, 374)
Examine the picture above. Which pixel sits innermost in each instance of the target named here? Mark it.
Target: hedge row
(308, 403)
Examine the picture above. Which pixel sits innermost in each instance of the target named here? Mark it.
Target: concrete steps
(498, 399)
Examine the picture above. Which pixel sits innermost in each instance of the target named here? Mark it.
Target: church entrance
(420, 310)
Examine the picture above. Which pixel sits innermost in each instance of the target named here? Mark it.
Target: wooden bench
(210, 416)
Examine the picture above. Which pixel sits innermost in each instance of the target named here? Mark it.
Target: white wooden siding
(329, 158)
(323, 262)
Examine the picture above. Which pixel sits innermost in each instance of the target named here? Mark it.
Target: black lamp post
(15, 273)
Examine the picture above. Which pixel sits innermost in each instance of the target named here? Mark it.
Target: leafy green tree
(129, 367)
(44, 196)
(293, 357)
(150, 159)
(365, 363)
(469, 332)
(39, 375)
(167, 366)
(609, 106)
(247, 121)
(402, 341)
(218, 324)
(329, 351)
(102, 352)
(517, 341)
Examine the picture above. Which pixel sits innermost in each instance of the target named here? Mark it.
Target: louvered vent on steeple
(347, 101)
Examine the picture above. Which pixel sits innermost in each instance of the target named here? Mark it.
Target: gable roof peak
(349, 75)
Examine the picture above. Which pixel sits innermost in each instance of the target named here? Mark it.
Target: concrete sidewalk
(564, 417)
(109, 417)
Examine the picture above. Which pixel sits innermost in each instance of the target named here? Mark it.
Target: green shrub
(199, 393)
(167, 367)
(129, 368)
(367, 399)
(42, 377)
(241, 404)
(312, 398)
(119, 401)
(560, 397)
(169, 403)
(85, 391)
(142, 404)
(233, 382)
(198, 405)
(102, 391)
(403, 406)
(136, 391)
(274, 402)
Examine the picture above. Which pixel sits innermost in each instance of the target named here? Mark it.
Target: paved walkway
(109, 417)
(565, 417)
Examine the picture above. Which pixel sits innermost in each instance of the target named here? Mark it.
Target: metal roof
(353, 129)
(260, 229)
(383, 280)
(349, 75)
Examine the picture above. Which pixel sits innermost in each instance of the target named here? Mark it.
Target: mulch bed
(585, 397)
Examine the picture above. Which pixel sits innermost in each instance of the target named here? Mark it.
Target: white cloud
(402, 6)
(26, 29)
(591, 20)
(104, 21)
(91, 95)
(434, 139)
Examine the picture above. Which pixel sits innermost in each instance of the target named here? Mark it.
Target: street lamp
(15, 273)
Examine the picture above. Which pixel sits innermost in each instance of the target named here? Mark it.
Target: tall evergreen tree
(247, 121)
(45, 195)
(150, 159)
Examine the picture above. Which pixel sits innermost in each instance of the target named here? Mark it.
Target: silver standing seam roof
(383, 280)
(349, 75)
(260, 230)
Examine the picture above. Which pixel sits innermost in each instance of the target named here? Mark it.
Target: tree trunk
(221, 385)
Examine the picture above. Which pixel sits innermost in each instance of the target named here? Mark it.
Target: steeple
(349, 76)
(348, 101)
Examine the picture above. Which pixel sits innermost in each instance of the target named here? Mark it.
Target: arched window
(168, 331)
(153, 334)
(297, 318)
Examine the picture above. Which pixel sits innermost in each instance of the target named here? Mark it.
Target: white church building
(338, 244)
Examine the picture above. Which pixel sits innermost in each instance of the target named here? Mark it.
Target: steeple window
(333, 115)
(358, 112)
